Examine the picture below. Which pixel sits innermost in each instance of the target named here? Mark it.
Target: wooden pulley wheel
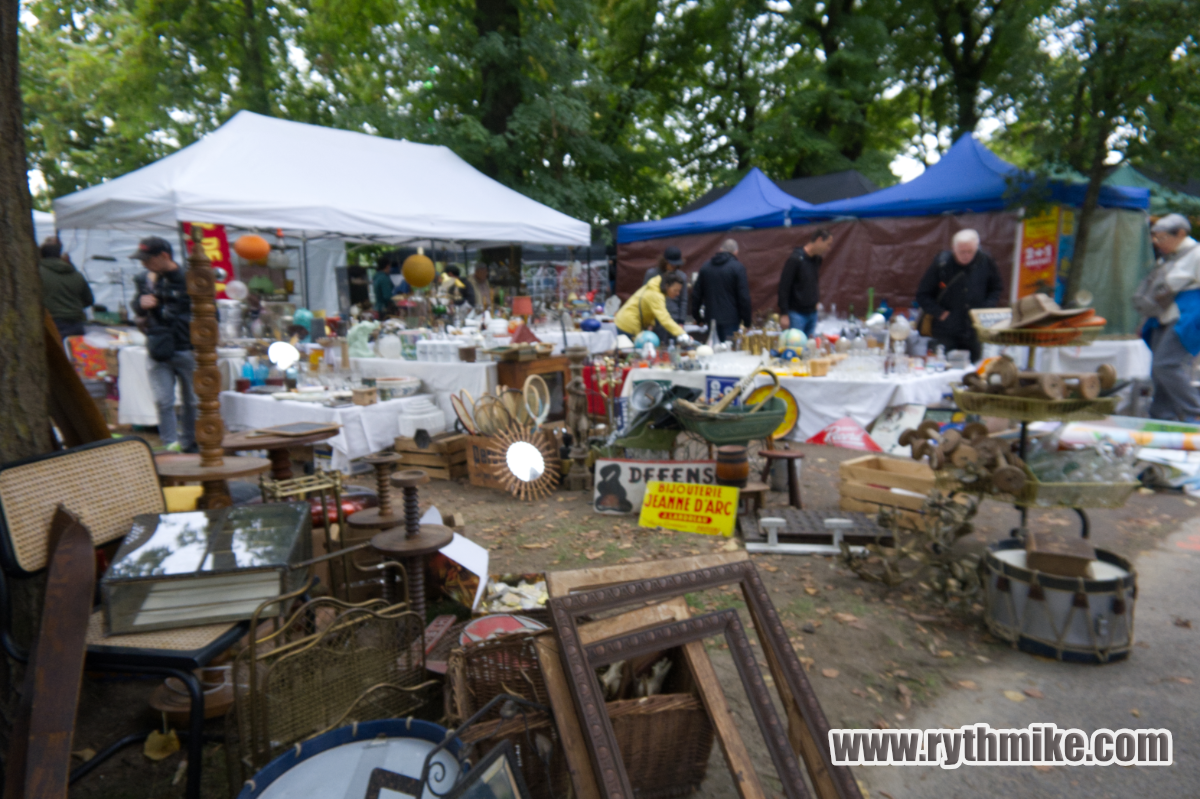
(1009, 479)
(1088, 386)
(975, 382)
(929, 429)
(1003, 373)
(975, 431)
(950, 441)
(965, 456)
(991, 452)
(936, 459)
(1108, 376)
(907, 437)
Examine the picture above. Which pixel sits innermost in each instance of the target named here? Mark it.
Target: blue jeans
(162, 381)
(804, 321)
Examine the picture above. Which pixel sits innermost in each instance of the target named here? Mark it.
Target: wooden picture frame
(498, 769)
(640, 583)
(582, 660)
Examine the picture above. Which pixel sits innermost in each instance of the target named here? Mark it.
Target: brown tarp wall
(889, 254)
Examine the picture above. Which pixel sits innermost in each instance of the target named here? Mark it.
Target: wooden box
(886, 472)
(444, 459)
(482, 453)
(368, 395)
(1068, 557)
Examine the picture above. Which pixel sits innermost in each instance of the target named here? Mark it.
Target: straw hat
(1037, 308)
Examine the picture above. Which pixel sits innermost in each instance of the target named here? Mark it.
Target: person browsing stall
(65, 292)
(722, 292)
(958, 280)
(671, 261)
(164, 311)
(1170, 299)
(482, 288)
(646, 309)
(799, 289)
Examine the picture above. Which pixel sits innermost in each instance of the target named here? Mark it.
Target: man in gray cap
(672, 261)
(1170, 299)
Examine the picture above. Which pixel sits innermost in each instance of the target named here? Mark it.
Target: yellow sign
(690, 508)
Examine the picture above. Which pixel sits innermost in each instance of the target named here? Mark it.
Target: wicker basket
(1047, 495)
(1028, 409)
(1053, 337)
(665, 739)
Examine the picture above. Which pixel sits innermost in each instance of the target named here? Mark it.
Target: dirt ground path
(874, 641)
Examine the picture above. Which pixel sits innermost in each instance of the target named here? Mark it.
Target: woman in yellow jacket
(647, 309)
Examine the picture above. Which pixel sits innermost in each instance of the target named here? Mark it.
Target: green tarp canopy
(1163, 200)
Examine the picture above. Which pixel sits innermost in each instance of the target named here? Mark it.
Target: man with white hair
(1170, 299)
(958, 280)
(722, 292)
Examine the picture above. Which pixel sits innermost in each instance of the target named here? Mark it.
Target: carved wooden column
(211, 468)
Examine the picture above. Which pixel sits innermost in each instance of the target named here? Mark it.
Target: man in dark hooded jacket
(722, 292)
(65, 292)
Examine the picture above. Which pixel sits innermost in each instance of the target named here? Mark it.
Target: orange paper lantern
(418, 271)
(252, 248)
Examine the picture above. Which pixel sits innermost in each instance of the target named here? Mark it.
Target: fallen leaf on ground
(1041, 768)
(592, 554)
(881, 724)
(899, 716)
(1015, 696)
(830, 673)
(945, 653)
(542, 545)
(161, 745)
(84, 754)
(1034, 693)
(1183, 622)
(810, 591)
(905, 695)
(770, 568)
(730, 546)
(1184, 680)
(858, 625)
(845, 618)
(628, 545)
(1137, 714)
(807, 663)
(859, 692)
(970, 685)
(823, 611)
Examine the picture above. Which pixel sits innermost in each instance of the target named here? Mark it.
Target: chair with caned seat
(105, 484)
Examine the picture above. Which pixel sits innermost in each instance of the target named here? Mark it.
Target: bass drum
(385, 757)
(1075, 619)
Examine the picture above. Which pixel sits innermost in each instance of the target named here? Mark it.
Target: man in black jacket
(958, 280)
(722, 292)
(799, 291)
(164, 311)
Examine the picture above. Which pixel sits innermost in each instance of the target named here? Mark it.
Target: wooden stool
(790, 458)
(384, 516)
(411, 543)
(754, 497)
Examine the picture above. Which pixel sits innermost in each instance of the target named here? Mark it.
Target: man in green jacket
(65, 292)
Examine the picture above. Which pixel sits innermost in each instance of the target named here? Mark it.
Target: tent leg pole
(304, 269)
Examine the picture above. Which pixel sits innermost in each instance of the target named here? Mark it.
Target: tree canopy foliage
(614, 110)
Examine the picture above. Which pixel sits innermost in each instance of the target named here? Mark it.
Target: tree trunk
(25, 422)
(255, 96)
(498, 21)
(1091, 200)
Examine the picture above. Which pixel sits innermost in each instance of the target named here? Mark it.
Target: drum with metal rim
(373, 758)
(1075, 619)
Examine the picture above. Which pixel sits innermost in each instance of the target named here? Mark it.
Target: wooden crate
(444, 459)
(482, 453)
(879, 496)
(880, 470)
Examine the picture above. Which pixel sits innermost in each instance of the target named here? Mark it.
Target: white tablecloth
(1130, 357)
(824, 400)
(365, 429)
(133, 383)
(600, 341)
(439, 379)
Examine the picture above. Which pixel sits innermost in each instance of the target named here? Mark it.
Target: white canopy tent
(257, 172)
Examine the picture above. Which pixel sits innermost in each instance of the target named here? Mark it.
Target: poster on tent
(1066, 251)
(215, 244)
(1039, 253)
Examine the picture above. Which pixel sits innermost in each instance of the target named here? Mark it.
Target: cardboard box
(1067, 557)
(482, 453)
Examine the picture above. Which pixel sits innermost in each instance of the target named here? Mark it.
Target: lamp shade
(522, 306)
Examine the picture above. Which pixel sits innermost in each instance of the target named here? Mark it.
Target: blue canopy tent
(755, 202)
(886, 239)
(971, 178)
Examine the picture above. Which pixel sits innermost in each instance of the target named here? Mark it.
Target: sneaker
(174, 446)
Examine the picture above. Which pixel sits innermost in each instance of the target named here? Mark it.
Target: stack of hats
(1039, 311)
